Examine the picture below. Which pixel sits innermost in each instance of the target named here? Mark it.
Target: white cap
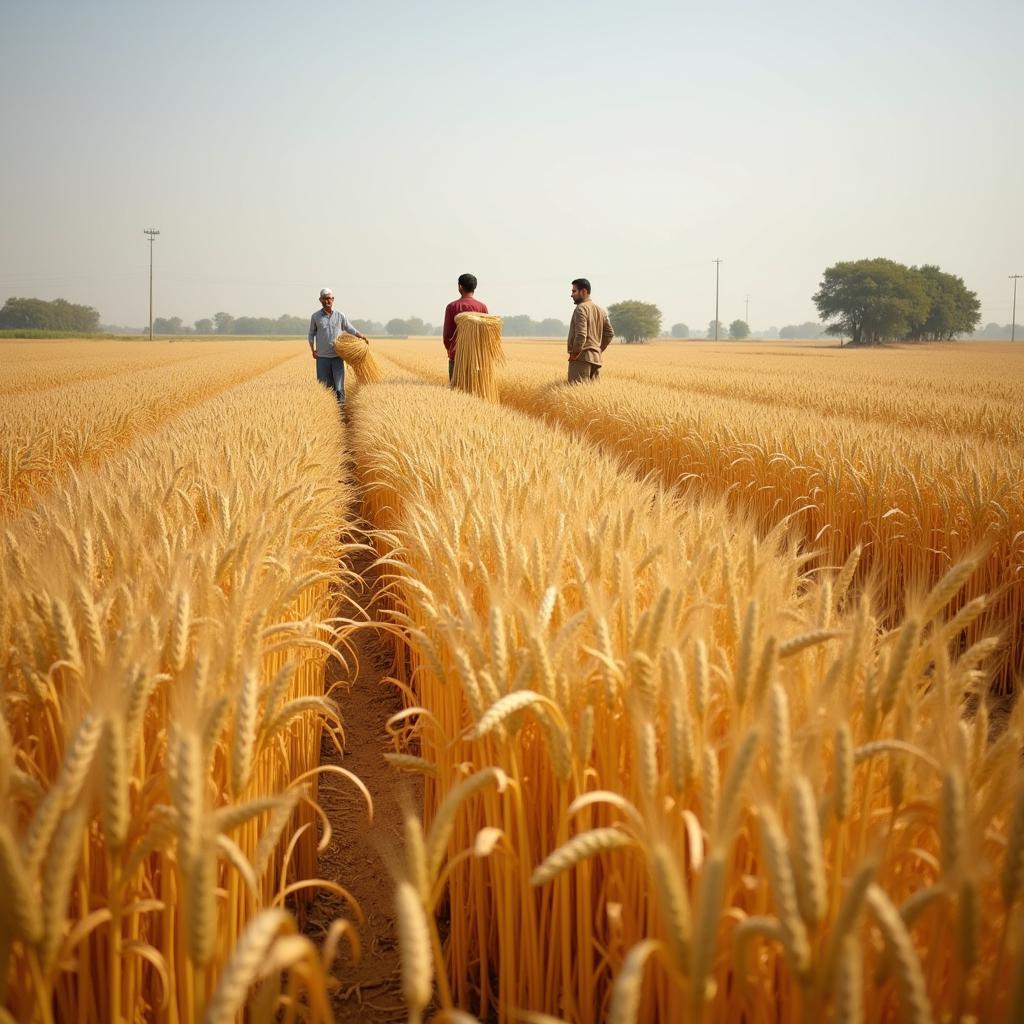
(324, 292)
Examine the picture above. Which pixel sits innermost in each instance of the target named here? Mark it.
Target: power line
(716, 263)
(152, 232)
(1013, 316)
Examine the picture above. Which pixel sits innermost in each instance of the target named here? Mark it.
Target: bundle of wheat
(477, 354)
(356, 352)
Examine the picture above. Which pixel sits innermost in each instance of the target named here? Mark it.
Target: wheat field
(708, 672)
(165, 617)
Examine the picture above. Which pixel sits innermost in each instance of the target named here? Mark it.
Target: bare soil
(362, 854)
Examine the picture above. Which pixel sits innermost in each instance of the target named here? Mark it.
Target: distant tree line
(808, 329)
(868, 301)
(38, 314)
(522, 326)
(398, 328)
(516, 326)
(879, 300)
(736, 331)
(997, 332)
(225, 323)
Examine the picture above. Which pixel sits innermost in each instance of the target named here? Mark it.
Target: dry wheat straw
(478, 353)
(357, 354)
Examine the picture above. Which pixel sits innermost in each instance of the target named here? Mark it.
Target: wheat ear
(586, 844)
(705, 934)
(909, 977)
(444, 821)
(626, 991)
(1013, 865)
(784, 891)
(729, 803)
(952, 820)
(673, 902)
(848, 998)
(414, 943)
(244, 966)
(20, 901)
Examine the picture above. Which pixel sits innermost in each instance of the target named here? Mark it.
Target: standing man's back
(465, 303)
(590, 333)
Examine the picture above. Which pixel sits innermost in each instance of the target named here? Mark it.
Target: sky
(383, 148)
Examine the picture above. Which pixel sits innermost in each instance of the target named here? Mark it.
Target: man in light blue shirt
(324, 326)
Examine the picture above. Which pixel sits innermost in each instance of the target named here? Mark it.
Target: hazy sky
(383, 148)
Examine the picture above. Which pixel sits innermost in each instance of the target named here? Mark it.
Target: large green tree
(738, 330)
(877, 300)
(953, 308)
(680, 331)
(167, 325)
(634, 320)
(223, 322)
(40, 315)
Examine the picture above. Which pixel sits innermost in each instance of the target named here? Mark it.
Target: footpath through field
(361, 856)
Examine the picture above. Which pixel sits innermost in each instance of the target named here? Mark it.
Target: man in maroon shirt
(464, 304)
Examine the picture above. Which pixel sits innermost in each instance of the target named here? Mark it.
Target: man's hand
(312, 352)
(364, 337)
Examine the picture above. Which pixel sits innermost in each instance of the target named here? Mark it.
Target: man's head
(580, 290)
(327, 299)
(467, 284)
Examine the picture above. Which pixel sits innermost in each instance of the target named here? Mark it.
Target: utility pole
(152, 232)
(746, 317)
(716, 263)
(1013, 316)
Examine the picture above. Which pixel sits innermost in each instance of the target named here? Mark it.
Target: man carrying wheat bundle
(465, 303)
(590, 333)
(325, 325)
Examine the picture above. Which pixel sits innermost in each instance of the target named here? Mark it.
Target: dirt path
(360, 853)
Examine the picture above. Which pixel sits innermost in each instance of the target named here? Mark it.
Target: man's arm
(448, 331)
(577, 332)
(607, 332)
(312, 335)
(346, 325)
